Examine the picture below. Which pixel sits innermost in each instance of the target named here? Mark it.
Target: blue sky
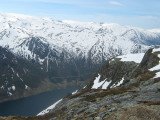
(139, 13)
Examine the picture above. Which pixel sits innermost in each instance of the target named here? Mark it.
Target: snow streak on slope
(82, 40)
(118, 84)
(97, 84)
(49, 108)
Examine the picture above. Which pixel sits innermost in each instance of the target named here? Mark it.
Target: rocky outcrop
(140, 92)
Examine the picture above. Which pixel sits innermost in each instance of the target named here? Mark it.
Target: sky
(138, 13)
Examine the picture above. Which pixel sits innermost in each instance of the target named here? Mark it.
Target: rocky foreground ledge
(125, 90)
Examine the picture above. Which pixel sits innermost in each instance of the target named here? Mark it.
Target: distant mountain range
(45, 52)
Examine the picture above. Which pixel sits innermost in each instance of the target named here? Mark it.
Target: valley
(69, 70)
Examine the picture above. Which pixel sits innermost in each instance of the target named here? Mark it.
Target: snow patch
(2, 87)
(156, 50)
(106, 84)
(9, 93)
(118, 84)
(13, 88)
(157, 67)
(74, 92)
(26, 87)
(12, 70)
(41, 61)
(19, 77)
(137, 58)
(157, 75)
(49, 108)
(97, 84)
(84, 87)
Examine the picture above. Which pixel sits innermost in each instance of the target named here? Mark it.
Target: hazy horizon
(137, 13)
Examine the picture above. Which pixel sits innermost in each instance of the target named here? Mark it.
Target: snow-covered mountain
(81, 40)
(64, 51)
(119, 70)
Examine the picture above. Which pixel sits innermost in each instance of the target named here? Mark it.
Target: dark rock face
(58, 62)
(16, 74)
(51, 69)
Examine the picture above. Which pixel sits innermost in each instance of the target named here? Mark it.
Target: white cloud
(115, 3)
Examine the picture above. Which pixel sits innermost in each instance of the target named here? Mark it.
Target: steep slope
(139, 91)
(17, 76)
(20, 77)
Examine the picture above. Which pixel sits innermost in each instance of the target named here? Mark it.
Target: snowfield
(137, 58)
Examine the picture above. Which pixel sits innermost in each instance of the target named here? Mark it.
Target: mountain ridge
(139, 90)
(77, 38)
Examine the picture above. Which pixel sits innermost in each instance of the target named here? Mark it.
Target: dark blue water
(31, 106)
